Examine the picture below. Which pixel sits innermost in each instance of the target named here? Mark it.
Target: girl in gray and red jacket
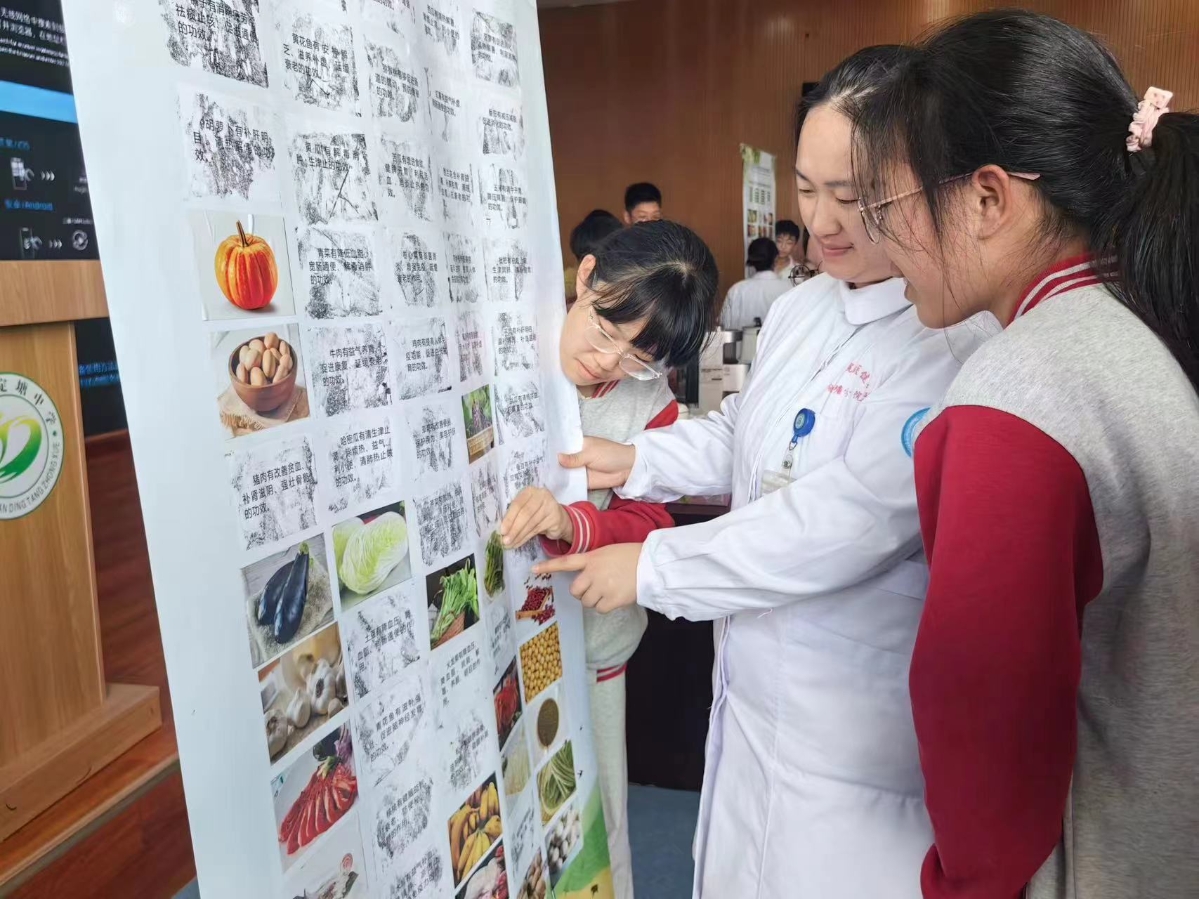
(1056, 668)
(646, 300)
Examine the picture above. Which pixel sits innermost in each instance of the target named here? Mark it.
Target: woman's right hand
(608, 463)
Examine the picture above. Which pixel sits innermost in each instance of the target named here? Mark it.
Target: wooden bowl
(267, 397)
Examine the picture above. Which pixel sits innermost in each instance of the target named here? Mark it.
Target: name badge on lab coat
(801, 427)
(774, 480)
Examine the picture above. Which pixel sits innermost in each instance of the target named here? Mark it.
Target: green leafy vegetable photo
(456, 596)
(493, 573)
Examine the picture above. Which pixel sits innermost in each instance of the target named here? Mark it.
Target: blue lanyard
(801, 427)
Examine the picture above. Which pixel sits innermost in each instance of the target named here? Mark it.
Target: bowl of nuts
(263, 372)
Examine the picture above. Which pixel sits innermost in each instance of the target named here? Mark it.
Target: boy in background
(786, 238)
(586, 236)
(642, 203)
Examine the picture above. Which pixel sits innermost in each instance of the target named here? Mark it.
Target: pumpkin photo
(246, 270)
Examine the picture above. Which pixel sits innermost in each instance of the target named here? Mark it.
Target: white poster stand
(331, 257)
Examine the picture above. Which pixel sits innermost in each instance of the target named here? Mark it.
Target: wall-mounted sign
(757, 188)
(31, 445)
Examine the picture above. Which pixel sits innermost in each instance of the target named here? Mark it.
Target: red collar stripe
(1086, 279)
(604, 389)
(1071, 274)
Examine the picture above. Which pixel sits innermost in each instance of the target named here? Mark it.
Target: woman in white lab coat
(812, 785)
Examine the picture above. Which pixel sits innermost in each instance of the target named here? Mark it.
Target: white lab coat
(751, 298)
(812, 786)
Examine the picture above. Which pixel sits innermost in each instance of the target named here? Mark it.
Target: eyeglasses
(601, 341)
(872, 213)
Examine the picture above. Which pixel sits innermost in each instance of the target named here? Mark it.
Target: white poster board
(330, 250)
(758, 194)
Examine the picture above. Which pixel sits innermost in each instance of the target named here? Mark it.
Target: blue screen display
(45, 208)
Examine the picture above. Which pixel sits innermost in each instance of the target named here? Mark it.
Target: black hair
(786, 228)
(853, 79)
(641, 192)
(590, 233)
(661, 272)
(762, 254)
(1030, 94)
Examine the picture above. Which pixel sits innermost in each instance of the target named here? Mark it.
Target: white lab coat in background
(812, 786)
(751, 298)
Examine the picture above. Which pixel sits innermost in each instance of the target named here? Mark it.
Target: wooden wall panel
(666, 90)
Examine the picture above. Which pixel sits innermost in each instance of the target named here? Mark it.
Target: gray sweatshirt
(1055, 681)
(617, 411)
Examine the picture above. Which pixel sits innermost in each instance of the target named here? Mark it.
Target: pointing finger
(576, 562)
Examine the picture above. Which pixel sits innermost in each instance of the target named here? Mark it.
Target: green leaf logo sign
(32, 445)
(20, 440)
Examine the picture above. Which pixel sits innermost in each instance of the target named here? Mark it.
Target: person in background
(646, 303)
(786, 238)
(586, 236)
(812, 786)
(748, 301)
(1009, 168)
(642, 203)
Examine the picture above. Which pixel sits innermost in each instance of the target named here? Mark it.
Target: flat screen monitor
(45, 211)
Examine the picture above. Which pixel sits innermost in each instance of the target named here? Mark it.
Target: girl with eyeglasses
(1008, 167)
(812, 786)
(646, 303)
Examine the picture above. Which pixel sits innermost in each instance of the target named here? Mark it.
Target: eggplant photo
(268, 602)
(290, 610)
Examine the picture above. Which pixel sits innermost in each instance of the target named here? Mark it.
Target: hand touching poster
(340, 215)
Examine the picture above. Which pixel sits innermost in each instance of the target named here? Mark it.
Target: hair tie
(1144, 120)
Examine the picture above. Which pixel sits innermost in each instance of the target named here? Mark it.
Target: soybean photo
(541, 661)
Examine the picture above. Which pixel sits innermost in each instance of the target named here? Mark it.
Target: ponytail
(1153, 239)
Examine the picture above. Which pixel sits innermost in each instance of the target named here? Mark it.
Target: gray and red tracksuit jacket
(617, 411)
(1055, 677)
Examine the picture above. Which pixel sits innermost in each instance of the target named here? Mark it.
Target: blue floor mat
(661, 827)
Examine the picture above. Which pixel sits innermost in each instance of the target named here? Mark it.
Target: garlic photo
(299, 710)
